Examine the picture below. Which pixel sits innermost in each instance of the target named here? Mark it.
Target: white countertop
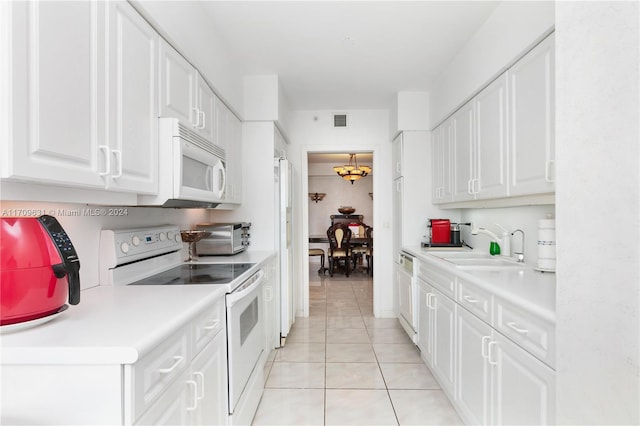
(532, 290)
(115, 325)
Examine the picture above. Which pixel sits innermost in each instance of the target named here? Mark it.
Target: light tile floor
(342, 366)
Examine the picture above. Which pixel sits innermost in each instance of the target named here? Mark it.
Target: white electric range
(152, 256)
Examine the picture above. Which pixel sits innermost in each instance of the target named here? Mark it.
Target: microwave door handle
(223, 179)
(209, 178)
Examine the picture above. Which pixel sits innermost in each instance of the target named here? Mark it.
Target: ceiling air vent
(339, 120)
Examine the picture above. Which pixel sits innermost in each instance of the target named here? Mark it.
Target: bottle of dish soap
(494, 248)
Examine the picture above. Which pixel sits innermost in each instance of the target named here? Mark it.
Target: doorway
(333, 192)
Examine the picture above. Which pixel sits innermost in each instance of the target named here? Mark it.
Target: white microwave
(192, 169)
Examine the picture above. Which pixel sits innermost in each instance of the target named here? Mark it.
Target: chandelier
(351, 171)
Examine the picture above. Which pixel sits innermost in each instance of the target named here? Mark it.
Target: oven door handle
(246, 288)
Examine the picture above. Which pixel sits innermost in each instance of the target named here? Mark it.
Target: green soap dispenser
(494, 248)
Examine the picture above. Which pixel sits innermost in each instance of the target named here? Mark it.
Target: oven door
(245, 334)
(198, 175)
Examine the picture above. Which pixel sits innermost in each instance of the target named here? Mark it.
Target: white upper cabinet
(490, 179)
(232, 136)
(133, 101)
(441, 164)
(185, 95)
(502, 140)
(207, 110)
(462, 124)
(531, 121)
(84, 96)
(53, 115)
(178, 81)
(396, 156)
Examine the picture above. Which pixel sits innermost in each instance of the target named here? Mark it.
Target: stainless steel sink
(484, 262)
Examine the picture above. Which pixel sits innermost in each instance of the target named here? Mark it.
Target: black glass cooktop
(194, 273)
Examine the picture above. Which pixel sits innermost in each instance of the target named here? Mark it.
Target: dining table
(354, 241)
(325, 239)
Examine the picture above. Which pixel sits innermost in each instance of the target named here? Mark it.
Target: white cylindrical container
(547, 244)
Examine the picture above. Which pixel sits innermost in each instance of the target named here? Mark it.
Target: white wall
(512, 218)
(313, 131)
(84, 231)
(339, 193)
(511, 28)
(598, 226)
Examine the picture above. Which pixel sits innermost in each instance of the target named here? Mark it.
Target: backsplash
(511, 218)
(84, 222)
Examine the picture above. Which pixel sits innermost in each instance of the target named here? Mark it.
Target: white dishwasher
(407, 295)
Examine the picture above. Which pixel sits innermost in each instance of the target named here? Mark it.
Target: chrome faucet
(519, 255)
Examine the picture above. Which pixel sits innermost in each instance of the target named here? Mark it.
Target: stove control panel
(122, 246)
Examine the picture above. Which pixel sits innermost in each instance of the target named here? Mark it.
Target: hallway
(342, 366)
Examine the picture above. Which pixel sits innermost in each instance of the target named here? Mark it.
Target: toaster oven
(223, 239)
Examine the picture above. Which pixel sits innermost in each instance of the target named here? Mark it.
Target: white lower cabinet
(182, 381)
(523, 388)
(437, 334)
(489, 378)
(198, 395)
(498, 382)
(208, 381)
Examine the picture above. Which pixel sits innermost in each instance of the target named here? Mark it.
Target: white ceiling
(344, 55)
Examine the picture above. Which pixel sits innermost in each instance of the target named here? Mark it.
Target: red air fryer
(39, 269)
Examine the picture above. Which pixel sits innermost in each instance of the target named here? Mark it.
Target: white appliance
(152, 256)
(407, 295)
(282, 175)
(191, 170)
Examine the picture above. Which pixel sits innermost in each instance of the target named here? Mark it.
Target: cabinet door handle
(107, 159)
(469, 191)
(512, 325)
(484, 346)
(469, 299)
(490, 352)
(431, 301)
(199, 375)
(196, 114)
(118, 155)
(177, 360)
(204, 120)
(476, 186)
(547, 171)
(194, 386)
(212, 326)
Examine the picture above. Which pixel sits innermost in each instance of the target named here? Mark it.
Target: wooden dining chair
(364, 251)
(339, 236)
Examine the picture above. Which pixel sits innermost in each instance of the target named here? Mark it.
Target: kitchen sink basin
(484, 262)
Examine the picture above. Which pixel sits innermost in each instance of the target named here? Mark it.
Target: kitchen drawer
(442, 280)
(155, 372)
(207, 324)
(533, 334)
(476, 300)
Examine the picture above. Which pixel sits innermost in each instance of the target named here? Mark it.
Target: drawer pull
(194, 386)
(469, 299)
(212, 326)
(177, 360)
(512, 325)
